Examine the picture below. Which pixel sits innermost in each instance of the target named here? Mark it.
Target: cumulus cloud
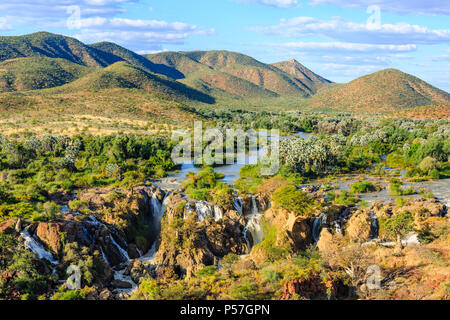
(343, 30)
(147, 35)
(98, 20)
(286, 4)
(4, 25)
(424, 7)
(46, 13)
(347, 47)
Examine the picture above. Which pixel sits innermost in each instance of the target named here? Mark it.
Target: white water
(254, 206)
(317, 226)
(119, 275)
(408, 240)
(255, 229)
(122, 251)
(203, 210)
(158, 210)
(238, 205)
(32, 244)
(218, 214)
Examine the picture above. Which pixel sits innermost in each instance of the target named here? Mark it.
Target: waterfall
(337, 227)
(255, 229)
(254, 206)
(104, 256)
(157, 211)
(218, 214)
(150, 255)
(374, 226)
(317, 226)
(238, 204)
(122, 251)
(32, 244)
(203, 210)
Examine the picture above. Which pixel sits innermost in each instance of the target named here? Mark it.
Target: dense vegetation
(35, 170)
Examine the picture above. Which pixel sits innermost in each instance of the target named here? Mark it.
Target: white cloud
(424, 7)
(346, 47)
(4, 24)
(286, 4)
(343, 30)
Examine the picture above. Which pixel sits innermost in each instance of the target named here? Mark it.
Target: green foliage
(206, 271)
(363, 187)
(294, 200)
(399, 224)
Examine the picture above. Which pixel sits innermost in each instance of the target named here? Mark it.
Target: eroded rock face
(298, 229)
(358, 227)
(187, 244)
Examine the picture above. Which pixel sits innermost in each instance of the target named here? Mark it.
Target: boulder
(119, 284)
(7, 226)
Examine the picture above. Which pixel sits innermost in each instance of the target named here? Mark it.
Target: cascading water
(203, 210)
(317, 226)
(122, 251)
(254, 206)
(32, 244)
(158, 210)
(337, 227)
(238, 205)
(374, 226)
(218, 213)
(255, 229)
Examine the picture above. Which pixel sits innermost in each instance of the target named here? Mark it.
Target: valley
(89, 189)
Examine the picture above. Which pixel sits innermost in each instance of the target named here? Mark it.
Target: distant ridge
(198, 66)
(39, 65)
(388, 90)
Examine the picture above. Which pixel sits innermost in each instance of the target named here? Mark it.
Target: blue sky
(338, 39)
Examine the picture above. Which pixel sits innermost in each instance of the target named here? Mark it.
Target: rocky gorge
(162, 234)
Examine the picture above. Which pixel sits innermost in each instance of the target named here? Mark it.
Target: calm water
(231, 172)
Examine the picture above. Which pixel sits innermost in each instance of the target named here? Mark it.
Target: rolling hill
(32, 73)
(44, 44)
(388, 90)
(135, 59)
(126, 76)
(299, 71)
(220, 70)
(44, 66)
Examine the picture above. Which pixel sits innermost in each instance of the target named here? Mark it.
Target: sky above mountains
(338, 39)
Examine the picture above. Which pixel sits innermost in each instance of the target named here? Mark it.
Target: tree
(228, 261)
(399, 225)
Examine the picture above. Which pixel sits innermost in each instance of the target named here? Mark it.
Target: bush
(293, 200)
(363, 187)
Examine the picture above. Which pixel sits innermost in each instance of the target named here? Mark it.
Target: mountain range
(44, 64)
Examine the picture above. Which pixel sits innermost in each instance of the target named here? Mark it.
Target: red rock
(7, 226)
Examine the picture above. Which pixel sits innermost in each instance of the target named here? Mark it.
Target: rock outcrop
(312, 287)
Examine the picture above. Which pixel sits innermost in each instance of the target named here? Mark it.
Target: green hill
(126, 76)
(38, 73)
(235, 74)
(136, 59)
(44, 44)
(219, 84)
(388, 90)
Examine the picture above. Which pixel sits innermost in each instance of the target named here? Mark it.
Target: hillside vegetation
(43, 68)
(232, 72)
(388, 90)
(38, 73)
